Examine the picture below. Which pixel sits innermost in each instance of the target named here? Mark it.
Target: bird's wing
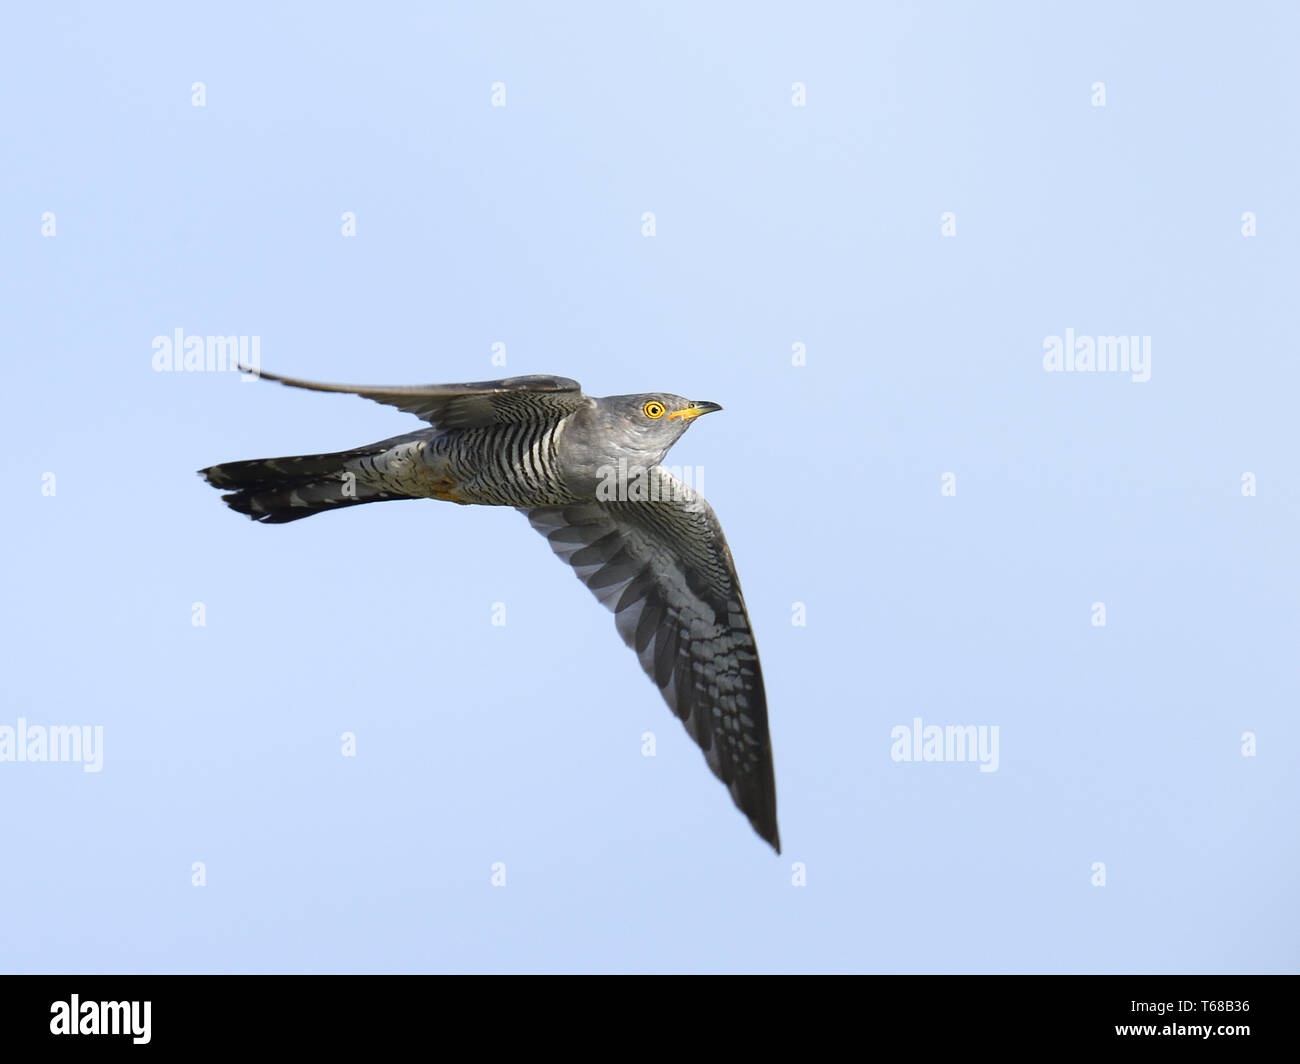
(465, 405)
(664, 568)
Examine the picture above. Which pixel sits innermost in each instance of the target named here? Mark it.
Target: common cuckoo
(587, 474)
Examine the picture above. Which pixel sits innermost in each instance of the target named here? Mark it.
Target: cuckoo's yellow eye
(653, 409)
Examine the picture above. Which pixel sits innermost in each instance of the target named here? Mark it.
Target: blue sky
(775, 225)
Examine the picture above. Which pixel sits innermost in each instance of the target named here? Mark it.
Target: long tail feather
(278, 490)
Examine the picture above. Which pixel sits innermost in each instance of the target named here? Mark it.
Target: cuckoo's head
(648, 425)
(637, 428)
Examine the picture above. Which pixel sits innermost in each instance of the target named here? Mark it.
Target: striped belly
(501, 465)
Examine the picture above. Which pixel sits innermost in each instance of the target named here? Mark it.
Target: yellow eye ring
(653, 409)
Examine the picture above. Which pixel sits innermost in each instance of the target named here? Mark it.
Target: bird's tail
(277, 490)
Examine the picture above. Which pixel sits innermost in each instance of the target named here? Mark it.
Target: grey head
(636, 429)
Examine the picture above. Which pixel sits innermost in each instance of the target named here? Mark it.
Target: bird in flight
(586, 472)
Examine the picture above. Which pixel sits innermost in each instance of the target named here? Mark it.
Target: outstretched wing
(664, 568)
(454, 406)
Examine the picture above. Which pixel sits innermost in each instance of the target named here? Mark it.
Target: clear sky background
(776, 225)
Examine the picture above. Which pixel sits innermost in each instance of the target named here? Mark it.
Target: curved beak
(697, 407)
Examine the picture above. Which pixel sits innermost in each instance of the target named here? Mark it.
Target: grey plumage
(655, 556)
